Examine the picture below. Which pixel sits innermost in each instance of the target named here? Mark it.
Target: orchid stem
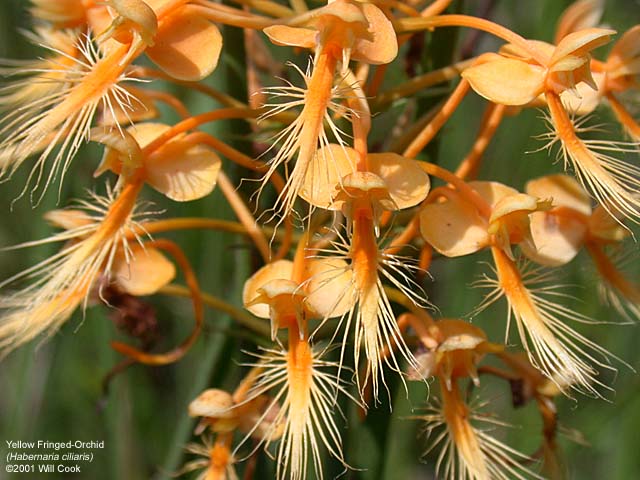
(243, 318)
(434, 126)
(490, 122)
(245, 216)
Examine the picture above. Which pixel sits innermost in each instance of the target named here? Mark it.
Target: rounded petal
(506, 81)
(341, 13)
(517, 202)
(187, 46)
(278, 287)
(383, 48)
(578, 16)
(407, 183)
(492, 192)
(145, 133)
(459, 329)
(138, 14)
(157, 5)
(326, 170)
(212, 403)
(147, 271)
(183, 172)
(364, 184)
(564, 191)
(292, 36)
(453, 227)
(278, 270)
(330, 287)
(624, 58)
(570, 63)
(581, 43)
(463, 341)
(557, 239)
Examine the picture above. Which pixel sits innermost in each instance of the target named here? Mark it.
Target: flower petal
(578, 16)
(292, 36)
(518, 202)
(514, 51)
(462, 341)
(212, 403)
(492, 192)
(605, 226)
(453, 227)
(506, 81)
(330, 287)
(145, 273)
(330, 164)
(407, 183)
(583, 99)
(563, 189)
(579, 44)
(187, 46)
(557, 239)
(139, 16)
(183, 172)
(278, 270)
(68, 219)
(383, 48)
(624, 58)
(179, 170)
(143, 133)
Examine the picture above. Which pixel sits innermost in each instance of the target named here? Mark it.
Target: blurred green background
(52, 390)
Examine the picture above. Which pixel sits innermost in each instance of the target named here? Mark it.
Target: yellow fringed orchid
(572, 224)
(187, 48)
(272, 293)
(454, 348)
(561, 353)
(179, 169)
(389, 183)
(96, 244)
(515, 78)
(468, 452)
(303, 382)
(338, 32)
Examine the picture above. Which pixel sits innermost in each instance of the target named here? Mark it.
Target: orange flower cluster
(339, 302)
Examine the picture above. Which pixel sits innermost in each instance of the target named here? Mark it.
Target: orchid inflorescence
(345, 226)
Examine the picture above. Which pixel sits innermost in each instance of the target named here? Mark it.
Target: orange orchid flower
(561, 232)
(338, 32)
(186, 46)
(556, 349)
(467, 450)
(392, 183)
(179, 169)
(289, 293)
(96, 245)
